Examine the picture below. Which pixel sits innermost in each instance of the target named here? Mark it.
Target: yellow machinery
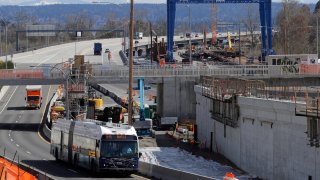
(230, 49)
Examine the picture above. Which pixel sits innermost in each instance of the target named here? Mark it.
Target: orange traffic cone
(229, 176)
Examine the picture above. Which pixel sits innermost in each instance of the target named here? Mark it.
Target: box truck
(33, 96)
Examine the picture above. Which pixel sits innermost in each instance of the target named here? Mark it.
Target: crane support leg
(171, 15)
(269, 25)
(263, 27)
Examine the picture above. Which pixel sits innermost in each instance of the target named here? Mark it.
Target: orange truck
(33, 96)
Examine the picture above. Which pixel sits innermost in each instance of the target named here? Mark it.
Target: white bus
(97, 146)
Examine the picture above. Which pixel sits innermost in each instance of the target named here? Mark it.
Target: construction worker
(109, 56)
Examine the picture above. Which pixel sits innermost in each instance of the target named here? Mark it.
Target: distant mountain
(47, 2)
(152, 12)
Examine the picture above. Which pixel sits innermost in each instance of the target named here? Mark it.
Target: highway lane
(19, 132)
(61, 53)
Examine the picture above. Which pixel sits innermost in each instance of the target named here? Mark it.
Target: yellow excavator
(229, 49)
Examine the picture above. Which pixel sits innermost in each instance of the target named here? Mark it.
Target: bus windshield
(119, 148)
(33, 98)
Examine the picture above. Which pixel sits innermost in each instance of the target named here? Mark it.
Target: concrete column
(160, 99)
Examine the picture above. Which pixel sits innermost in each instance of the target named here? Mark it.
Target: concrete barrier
(161, 172)
(123, 58)
(45, 125)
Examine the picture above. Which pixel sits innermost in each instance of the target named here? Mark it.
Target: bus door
(61, 144)
(70, 141)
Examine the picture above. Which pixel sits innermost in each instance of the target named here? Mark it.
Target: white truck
(139, 35)
(167, 123)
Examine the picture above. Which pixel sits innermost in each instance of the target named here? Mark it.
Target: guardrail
(264, 71)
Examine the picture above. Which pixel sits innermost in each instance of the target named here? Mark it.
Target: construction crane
(214, 22)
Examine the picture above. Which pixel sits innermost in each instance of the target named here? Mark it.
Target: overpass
(154, 74)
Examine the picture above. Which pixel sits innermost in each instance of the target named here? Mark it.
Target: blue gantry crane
(265, 21)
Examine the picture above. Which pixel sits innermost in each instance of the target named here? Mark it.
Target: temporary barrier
(9, 171)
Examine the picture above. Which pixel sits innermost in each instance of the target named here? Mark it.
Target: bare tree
(251, 23)
(294, 31)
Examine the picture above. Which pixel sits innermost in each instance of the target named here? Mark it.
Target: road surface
(19, 127)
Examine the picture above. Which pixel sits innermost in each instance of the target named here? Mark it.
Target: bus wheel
(56, 154)
(93, 166)
(75, 161)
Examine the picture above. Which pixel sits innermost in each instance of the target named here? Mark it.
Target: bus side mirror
(97, 143)
(140, 154)
(140, 137)
(25, 98)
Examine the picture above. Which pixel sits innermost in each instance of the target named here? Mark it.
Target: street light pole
(66, 85)
(131, 64)
(190, 58)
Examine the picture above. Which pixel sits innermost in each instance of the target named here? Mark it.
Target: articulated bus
(97, 146)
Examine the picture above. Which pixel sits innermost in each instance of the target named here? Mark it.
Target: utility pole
(318, 35)
(131, 65)
(1, 40)
(6, 26)
(190, 58)
(239, 45)
(151, 42)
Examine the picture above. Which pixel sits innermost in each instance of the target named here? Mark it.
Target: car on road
(136, 42)
(107, 50)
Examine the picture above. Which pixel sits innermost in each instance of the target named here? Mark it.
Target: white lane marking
(9, 100)
(9, 135)
(28, 152)
(17, 121)
(44, 159)
(72, 170)
(11, 140)
(17, 145)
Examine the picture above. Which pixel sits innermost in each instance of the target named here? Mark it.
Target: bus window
(118, 149)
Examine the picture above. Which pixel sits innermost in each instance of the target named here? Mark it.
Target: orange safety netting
(309, 69)
(4, 74)
(9, 171)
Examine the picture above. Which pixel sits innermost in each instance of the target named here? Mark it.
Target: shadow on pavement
(33, 127)
(63, 170)
(18, 108)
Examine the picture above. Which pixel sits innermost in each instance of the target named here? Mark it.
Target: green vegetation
(10, 64)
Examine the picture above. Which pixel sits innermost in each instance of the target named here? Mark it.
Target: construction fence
(12, 167)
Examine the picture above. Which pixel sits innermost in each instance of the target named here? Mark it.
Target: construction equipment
(142, 125)
(229, 49)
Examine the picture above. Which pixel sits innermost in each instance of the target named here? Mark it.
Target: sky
(42, 2)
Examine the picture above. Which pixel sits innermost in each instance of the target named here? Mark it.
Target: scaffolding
(77, 88)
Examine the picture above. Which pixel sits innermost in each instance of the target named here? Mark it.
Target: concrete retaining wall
(161, 172)
(178, 97)
(270, 141)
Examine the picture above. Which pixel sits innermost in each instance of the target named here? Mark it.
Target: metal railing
(193, 71)
(263, 71)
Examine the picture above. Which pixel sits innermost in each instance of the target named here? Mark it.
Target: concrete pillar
(160, 99)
